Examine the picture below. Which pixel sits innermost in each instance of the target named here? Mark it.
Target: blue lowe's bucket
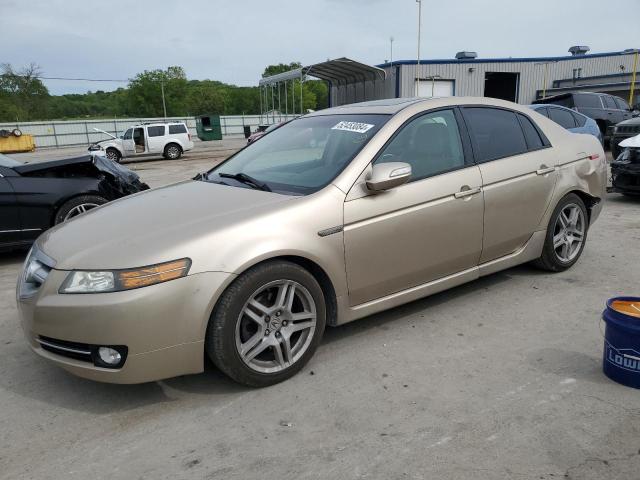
(621, 362)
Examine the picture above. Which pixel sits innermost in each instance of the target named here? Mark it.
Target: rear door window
(588, 101)
(495, 133)
(531, 135)
(542, 111)
(156, 131)
(609, 103)
(562, 117)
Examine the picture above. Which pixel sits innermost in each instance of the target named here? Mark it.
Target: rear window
(156, 131)
(175, 129)
(496, 133)
(564, 101)
(542, 111)
(588, 101)
(562, 117)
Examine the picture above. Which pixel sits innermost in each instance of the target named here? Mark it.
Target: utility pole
(419, 2)
(164, 105)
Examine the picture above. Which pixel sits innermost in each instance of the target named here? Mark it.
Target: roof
(341, 70)
(508, 60)
(388, 106)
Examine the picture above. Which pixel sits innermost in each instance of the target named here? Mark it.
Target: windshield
(302, 156)
(8, 161)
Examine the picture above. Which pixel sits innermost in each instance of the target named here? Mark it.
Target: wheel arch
(589, 200)
(318, 273)
(173, 142)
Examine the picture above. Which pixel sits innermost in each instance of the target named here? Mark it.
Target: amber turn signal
(163, 272)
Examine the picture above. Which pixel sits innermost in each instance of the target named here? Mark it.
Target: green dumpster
(208, 127)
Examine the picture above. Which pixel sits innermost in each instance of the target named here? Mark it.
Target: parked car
(335, 216)
(625, 168)
(170, 140)
(606, 110)
(571, 120)
(36, 196)
(261, 132)
(623, 130)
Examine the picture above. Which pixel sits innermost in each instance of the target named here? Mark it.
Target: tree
(145, 93)
(23, 96)
(207, 97)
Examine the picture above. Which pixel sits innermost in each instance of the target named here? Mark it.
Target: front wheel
(113, 154)
(566, 235)
(76, 206)
(267, 324)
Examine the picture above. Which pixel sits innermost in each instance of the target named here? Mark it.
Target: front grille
(77, 351)
(628, 129)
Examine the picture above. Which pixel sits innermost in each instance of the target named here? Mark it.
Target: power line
(81, 79)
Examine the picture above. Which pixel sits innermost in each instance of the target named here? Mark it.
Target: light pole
(391, 43)
(419, 2)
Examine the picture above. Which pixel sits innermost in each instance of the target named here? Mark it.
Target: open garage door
(502, 85)
(435, 88)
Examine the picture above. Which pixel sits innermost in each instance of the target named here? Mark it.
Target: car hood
(630, 121)
(154, 226)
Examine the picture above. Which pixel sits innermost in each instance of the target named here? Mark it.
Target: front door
(127, 143)
(9, 218)
(518, 173)
(426, 229)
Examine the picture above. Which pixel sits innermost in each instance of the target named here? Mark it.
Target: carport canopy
(341, 70)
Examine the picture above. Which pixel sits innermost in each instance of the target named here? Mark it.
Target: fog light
(109, 356)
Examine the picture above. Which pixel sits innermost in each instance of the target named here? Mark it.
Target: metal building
(521, 80)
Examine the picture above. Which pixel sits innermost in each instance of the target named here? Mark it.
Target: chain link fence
(74, 132)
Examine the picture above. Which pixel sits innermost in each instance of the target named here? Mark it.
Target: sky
(233, 41)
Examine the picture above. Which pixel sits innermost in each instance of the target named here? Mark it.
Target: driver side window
(431, 144)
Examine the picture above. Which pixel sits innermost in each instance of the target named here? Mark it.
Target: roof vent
(465, 55)
(579, 50)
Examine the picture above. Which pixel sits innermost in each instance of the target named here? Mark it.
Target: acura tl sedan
(332, 217)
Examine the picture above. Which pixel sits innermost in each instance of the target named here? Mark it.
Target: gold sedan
(332, 217)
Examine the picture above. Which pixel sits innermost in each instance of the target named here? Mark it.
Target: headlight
(99, 281)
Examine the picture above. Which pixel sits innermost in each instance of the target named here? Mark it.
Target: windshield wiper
(247, 180)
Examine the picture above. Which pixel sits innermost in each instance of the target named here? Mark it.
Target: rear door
(518, 176)
(156, 138)
(9, 218)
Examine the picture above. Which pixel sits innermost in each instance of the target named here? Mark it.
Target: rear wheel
(172, 151)
(566, 235)
(77, 206)
(267, 324)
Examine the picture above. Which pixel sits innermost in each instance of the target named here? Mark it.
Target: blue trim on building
(504, 60)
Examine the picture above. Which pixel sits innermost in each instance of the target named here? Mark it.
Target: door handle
(543, 170)
(466, 191)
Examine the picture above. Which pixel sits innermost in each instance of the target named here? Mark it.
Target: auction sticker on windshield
(355, 127)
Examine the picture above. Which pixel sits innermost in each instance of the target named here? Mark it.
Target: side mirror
(635, 113)
(388, 175)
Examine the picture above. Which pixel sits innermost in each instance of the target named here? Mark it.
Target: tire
(172, 151)
(561, 257)
(16, 132)
(4, 133)
(231, 328)
(76, 206)
(113, 154)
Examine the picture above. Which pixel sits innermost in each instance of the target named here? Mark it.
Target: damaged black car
(36, 196)
(625, 170)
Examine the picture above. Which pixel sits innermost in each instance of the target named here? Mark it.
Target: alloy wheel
(77, 210)
(173, 152)
(276, 326)
(568, 234)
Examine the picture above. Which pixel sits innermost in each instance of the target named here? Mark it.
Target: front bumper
(625, 178)
(163, 326)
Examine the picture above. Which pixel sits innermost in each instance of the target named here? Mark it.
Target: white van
(170, 140)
